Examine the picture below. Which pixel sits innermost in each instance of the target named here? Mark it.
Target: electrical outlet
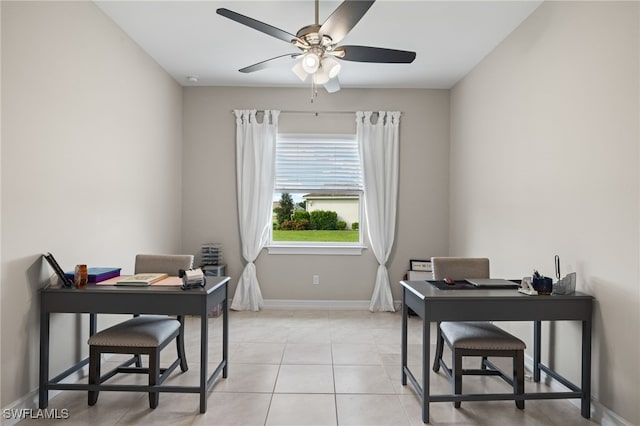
(316, 279)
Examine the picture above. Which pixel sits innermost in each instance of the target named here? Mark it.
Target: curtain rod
(290, 111)
(316, 113)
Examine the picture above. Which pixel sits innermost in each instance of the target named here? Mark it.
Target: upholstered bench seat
(144, 331)
(480, 335)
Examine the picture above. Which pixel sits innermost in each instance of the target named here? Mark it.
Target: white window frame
(319, 248)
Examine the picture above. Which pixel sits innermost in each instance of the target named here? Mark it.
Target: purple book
(97, 275)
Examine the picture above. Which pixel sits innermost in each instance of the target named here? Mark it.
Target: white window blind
(317, 163)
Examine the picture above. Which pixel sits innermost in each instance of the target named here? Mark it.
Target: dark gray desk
(102, 299)
(433, 305)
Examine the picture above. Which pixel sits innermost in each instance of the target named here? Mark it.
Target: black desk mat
(464, 285)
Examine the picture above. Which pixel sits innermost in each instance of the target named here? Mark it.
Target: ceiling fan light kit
(299, 71)
(321, 76)
(310, 62)
(331, 66)
(319, 45)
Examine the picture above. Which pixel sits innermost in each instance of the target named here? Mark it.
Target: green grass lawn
(316, 235)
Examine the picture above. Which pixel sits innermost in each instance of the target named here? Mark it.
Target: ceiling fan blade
(266, 63)
(333, 85)
(374, 54)
(344, 18)
(257, 25)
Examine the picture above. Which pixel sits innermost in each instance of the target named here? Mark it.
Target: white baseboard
(599, 413)
(331, 305)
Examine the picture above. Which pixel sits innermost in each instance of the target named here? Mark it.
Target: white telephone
(526, 287)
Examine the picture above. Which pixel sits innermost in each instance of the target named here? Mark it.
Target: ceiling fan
(319, 47)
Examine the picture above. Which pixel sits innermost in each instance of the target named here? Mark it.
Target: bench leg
(180, 346)
(518, 376)
(154, 377)
(439, 349)
(456, 377)
(483, 363)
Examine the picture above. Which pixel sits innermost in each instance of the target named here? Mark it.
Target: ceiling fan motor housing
(311, 35)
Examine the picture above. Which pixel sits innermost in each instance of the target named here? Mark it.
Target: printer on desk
(419, 270)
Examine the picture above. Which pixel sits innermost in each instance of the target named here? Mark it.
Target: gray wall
(544, 148)
(209, 184)
(91, 167)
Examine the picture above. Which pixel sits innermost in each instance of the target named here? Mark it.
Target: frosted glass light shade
(310, 62)
(331, 66)
(299, 71)
(321, 76)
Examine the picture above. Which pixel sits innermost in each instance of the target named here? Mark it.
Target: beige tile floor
(308, 368)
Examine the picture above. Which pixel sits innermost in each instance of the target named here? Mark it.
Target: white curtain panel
(379, 152)
(255, 169)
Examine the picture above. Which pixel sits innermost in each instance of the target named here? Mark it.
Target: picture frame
(64, 280)
(420, 265)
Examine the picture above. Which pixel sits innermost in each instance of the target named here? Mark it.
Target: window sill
(316, 250)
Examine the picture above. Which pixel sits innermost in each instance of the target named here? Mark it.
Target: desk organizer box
(212, 254)
(567, 285)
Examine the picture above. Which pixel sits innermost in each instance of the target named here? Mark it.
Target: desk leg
(93, 324)
(225, 333)
(426, 348)
(44, 360)
(585, 407)
(204, 356)
(537, 332)
(403, 348)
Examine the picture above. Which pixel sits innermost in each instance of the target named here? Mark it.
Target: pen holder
(542, 285)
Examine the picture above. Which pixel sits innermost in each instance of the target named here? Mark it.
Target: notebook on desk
(491, 282)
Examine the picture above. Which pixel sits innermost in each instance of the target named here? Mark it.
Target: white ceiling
(188, 38)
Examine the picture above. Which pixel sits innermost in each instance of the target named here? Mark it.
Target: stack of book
(99, 274)
(144, 279)
(212, 254)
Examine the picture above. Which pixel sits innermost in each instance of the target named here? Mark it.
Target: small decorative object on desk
(543, 285)
(81, 276)
(526, 287)
(192, 278)
(567, 285)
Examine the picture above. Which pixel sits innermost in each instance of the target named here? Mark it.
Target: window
(317, 197)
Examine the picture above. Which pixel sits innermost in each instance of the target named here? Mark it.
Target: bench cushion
(479, 335)
(143, 331)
